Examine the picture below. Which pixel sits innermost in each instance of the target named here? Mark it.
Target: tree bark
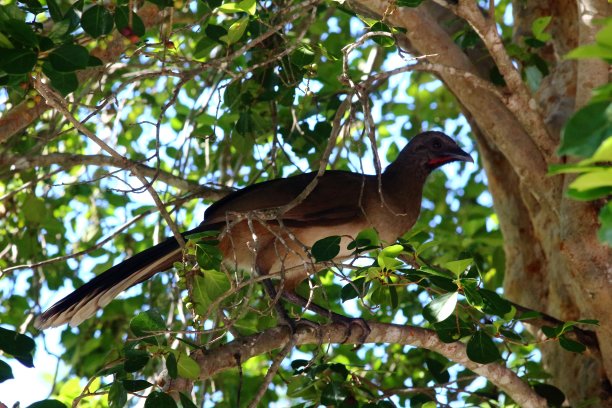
(555, 263)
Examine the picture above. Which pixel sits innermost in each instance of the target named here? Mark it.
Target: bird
(342, 203)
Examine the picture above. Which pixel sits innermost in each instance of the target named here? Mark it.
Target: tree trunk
(555, 263)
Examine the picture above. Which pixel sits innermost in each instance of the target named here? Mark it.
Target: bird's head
(433, 149)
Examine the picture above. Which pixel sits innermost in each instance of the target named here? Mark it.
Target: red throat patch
(437, 161)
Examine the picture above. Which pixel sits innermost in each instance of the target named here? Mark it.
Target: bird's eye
(436, 144)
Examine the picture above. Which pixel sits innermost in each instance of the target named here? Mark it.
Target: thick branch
(498, 121)
(222, 358)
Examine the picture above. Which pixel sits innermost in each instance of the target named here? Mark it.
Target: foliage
(228, 94)
(588, 134)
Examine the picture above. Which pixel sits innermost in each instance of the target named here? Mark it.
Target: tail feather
(98, 292)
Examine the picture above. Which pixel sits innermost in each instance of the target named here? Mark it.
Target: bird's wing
(336, 197)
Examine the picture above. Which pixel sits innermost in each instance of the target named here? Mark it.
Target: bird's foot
(293, 324)
(348, 323)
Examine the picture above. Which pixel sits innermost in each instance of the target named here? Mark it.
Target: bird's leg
(335, 317)
(282, 312)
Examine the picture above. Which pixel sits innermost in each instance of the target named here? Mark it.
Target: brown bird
(342, 203)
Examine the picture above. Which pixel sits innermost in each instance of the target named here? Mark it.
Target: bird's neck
(403, 182)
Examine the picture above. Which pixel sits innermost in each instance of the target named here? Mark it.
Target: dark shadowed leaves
(148, 325)
(554, 396)
(97, 21)
(69, 58)
(18, 345)
(6, 373)
(159, 399)
(117, 395)
(482, 349)
(452, 329)
(136, 385)
(48, 403)
(587, 129)
(17, 61)
(326, 249)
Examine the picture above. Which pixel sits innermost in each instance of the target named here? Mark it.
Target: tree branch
(221, 358)
(25, 113)
(500, 123)
(67, 160)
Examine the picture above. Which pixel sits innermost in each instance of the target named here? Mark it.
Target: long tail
(98, 292)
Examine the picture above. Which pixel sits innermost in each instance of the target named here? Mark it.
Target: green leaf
(34, 209)
(69, 58)
(215, 32)
(353, 289)
(17, 61)
(532, 314)
(594, 322)
(20, 33)
(589, 194)
(437, 371)
(382, 40)
(136, 385)
(158, 399)
(97, 21)
(571, 345)
(208, 256)
(554, 396)
(436, 272)
(186, 401)
(326, 249)
(333, 394)
(199, 295)
(18, 345)
(187, 367)
(592, 180)
(63, 82)
(604, 36)
(48, 403)
(470, 291)
(55, 11)
(551, 332)
(117, 395)
(441, 307)
(216, 283)
(247, 6)
(591, 51)
(135, 360)
(538, 26)
(494, 304)
(482, 349)
(587, 129)
(392, 250)
(367, 238)
(605, 231)
(459, 266)
(409, 3)
(172, 365)
(148, 325)
(122, 21)
(236, 31)
(302, 56)
(6, 373)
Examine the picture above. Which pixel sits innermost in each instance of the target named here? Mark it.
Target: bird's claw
(348, 322)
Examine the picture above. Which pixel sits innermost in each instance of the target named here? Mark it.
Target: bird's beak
(459, 155)
(450, 156)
